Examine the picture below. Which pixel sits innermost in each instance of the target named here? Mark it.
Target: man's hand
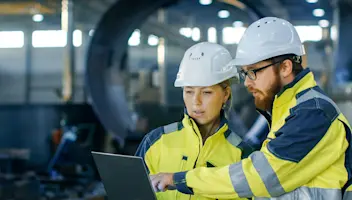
(162, 182)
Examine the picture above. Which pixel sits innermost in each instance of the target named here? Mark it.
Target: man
(307, 154)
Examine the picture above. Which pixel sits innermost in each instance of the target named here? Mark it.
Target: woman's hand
(162, 182)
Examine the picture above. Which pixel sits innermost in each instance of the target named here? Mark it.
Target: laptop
(124, 177)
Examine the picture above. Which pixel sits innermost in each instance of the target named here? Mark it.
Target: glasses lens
(251, 74)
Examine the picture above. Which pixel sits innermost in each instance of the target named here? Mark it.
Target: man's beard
(265, 100)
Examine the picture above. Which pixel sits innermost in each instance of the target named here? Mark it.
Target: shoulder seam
(318, 106)
(157, 132)
(171, 127)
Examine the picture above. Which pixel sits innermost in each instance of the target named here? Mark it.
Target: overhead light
(212, 35)
(77, 38)
(333, 33)
(153, 40)
(187, 32)
(232, 35)
(310, 33)
(205, 2)
(324, 23)
(196, 34)
(135, 38)
(37, 17)
(223, 14)
(237, 24)
(91, 32)
(318, 12)
(312, 1)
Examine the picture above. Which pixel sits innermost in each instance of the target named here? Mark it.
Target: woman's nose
(197, 99)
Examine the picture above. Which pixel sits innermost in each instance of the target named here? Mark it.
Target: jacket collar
(302, 81)
(190, 120)
(295, 81)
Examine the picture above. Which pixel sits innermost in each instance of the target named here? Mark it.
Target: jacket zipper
(200, 143)
(200, 147)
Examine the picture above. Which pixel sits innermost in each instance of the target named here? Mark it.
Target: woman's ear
(227, 94)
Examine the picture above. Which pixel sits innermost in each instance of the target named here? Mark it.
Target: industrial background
(83, 75)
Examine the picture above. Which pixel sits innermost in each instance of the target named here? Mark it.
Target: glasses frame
(252, 73)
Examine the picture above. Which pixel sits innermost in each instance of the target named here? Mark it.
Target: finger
(156, 176)
(162, 186)
(152, 177)
(155, 188)
(155, 184)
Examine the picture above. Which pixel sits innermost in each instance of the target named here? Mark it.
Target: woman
(203, 137)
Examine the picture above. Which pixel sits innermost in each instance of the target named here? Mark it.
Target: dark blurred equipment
(14, 160)
(69, 137)
(29, 127)
(38, 165)
(109, 44)
(71, 171)
(20, 187)
(15, 182)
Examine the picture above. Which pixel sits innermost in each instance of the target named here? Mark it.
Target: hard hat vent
(266, 22)
(196, 57)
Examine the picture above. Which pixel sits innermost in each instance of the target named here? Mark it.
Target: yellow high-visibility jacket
(307, 154)
(179, 147)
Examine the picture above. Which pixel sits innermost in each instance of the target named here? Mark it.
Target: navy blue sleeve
(142, 149)
(303, 130)
(147, 142)
(180, 183)
(246, 148)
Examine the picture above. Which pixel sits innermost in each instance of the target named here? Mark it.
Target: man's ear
(286, 68)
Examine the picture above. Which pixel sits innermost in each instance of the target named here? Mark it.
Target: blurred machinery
(68, 172)
(123, 113)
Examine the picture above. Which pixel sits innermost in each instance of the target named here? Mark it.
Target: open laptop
(124, 177)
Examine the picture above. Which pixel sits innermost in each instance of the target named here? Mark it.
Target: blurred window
(11, 39)
(232, 35)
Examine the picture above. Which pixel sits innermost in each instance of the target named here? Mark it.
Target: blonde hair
(228, 105)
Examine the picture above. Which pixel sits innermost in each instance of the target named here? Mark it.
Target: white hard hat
(266, 38)
(205, 64)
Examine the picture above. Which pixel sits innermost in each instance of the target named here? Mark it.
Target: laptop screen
(124, 177)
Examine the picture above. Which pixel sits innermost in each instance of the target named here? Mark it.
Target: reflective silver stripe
(171, 128)
(311, 94)
(305, 193)
(239, 180)
(347, 195)
(234, 139)
(267, 174)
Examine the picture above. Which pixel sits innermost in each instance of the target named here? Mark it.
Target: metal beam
(88, 13)
(277, 8)
(165, 31)
(19, 8)
(28, 58)
(150, 26)
(67, 24)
